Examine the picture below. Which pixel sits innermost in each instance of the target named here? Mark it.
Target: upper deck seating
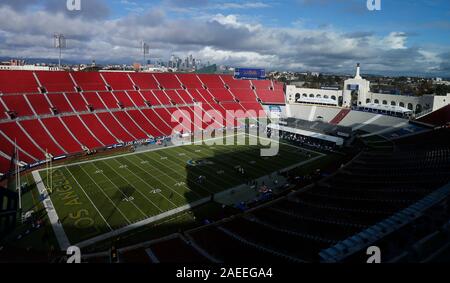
(55, 81)
(118, 80)
(18, 82)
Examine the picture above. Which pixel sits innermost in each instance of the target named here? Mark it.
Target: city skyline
(404, 38)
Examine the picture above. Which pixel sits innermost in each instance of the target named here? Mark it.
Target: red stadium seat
(137, 98)
(223, 95)
(234, 83)
(109, 100)
(244, 95)
(212, 81)
(271, 96)
(142, 121)
(59, 101)
(89, 81)
(162, 97)
(190, 81)
(123, 98)
(93, 99)
(115, 128)
(158, 121)
(144, 81)
(56, 81)
(77, 101)
(8, 148)
(61, 135)
(130, 125)
(18, 82)
(168, 80)
(40, 104)
(67, 134)
(100, 131)
(18, 104)
(118, 80)
(15, 133)
(3, 114)
(82, 134)
(173, 96)
(41, 137)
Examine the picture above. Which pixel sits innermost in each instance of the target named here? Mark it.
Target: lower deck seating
(65, 113)
(61, 135)
(35, 129)
(82, 134)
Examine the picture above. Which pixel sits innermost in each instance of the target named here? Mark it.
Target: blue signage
(256, 74)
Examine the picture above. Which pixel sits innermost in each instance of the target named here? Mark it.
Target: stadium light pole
(145, 50)
(60, 43)
(17, 167)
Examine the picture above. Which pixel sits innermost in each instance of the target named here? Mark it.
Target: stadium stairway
(340, 116)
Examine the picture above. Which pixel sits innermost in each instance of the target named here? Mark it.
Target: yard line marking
(93, 204)
(118, 209)
(201, 186)
(140, 152)
(145, 215)
(204, 171)
(174, 191)
(165, 174)
(147, 185)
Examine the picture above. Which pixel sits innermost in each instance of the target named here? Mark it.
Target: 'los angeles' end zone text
(228, 273)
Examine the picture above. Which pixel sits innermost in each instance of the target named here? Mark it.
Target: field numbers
(123, 167)
(157, 191)
(98, 172)
(163, 157)
(180, 184)
(128, 199)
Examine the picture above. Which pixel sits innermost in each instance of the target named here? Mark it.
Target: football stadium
(151, 166)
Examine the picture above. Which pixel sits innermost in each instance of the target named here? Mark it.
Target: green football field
(99, 196)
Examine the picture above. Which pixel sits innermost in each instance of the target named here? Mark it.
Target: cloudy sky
(405, 37)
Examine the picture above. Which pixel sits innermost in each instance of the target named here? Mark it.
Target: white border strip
(51, 212)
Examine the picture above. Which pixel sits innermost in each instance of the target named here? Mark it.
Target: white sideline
(51, 212)
(142, 223)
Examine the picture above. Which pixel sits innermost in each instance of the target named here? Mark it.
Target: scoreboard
(254, 74)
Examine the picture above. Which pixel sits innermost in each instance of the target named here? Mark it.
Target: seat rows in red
(190, 81)
(115, 128)
(18, 82)
(223, 95)
(89, 81)
(118, 80)
(144, 81)
(41, 137)
(81, 133)
(270, 96)
(8, 148)
(173, 96)
(55, 81)
(67, 134)
(167, 80)
(98, 129)
(18, 104)
(15, 133)
(61, 134)
(123, 98)
(130, 125)
(212, 81)
(93, 99)
(244, 94)
(59, 101)
(146, 124)
(234, 83)
(3, 114)
(152, 115)
(39, 103)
